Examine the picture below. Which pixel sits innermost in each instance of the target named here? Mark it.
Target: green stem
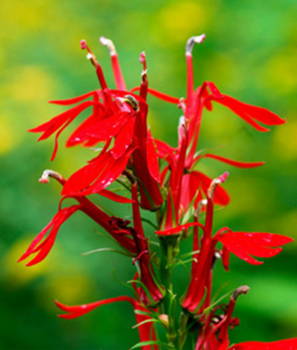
(167, 247)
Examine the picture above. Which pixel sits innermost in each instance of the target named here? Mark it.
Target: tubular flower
(110, 224)
(153, 293)
(242, 244)
(117, 115)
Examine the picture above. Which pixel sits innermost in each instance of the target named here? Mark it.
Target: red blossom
(45, 246)
(288, 344)
(245, 244)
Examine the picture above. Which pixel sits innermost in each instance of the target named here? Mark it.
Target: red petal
(225, 258)
(79, 310)
(246, 111)
(45, 246)
(159, 95)
(54, 124)
(97, 175)
(152, 160)
(115, 197)
(103, 129)
(165, 152)
(178, 229)
(234, 162)
(221, 197)
(123, 139)
(288, 344)
(74, 100)
(259, 244)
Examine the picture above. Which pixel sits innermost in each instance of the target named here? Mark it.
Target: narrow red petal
(234, 162)
(97, 175)
(79, 310)
(74, 100)
(288, 344)
(159, 95)
(178, 229)
(123, 139)
(45, 246)
(115, 197)
(85, 176)
(152, 160)
(246, 111)
(245, 244)
(220, 197)
(55, 123)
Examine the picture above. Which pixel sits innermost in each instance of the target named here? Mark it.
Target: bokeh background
(250, 53)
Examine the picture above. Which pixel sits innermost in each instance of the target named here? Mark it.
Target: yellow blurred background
(250, 53)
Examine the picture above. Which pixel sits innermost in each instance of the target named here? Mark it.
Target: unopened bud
(164, 319)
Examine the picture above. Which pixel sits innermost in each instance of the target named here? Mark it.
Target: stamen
(83, 44)
(118, 76)
(92, 58)
(200, 206)
(144, 82)
(238, 291)
(182, 104)
(109, 44)
(182, 121)
(194, 40)
(220, 179)
(90, 55)
(53, 174)
(142, 59)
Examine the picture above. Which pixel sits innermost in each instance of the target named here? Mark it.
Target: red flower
(153, 292)
(44, 247)
(116, 115)
(245, 244)
(242, 244)
(110, 224)
(288, 344)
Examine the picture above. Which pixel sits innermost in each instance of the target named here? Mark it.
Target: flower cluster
(165, 180)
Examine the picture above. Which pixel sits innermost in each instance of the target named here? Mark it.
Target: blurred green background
(250, 53)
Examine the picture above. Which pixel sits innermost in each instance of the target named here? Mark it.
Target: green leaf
(189, 254)
(123, 283)
(152, 320)
(151, 342)
(107, 250)
(149, 222)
